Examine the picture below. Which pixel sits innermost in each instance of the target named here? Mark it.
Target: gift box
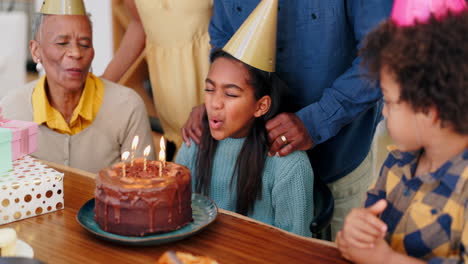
(30, 189)
(5, 150)
(24, 137)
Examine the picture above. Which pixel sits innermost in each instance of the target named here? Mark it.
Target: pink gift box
(24, 139)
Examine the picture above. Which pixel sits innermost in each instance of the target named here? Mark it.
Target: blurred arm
(133, 43)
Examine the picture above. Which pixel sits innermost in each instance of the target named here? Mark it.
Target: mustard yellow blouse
(83, 115)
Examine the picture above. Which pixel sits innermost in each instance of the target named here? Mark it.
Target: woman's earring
(39, 67)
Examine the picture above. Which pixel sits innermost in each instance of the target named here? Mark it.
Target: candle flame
(125, 155)
(147, 151)
(135, 143)
(162, 152)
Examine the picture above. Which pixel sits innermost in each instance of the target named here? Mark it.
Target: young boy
(417, 211)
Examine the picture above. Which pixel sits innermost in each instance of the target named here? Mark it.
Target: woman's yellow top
(177, 52)
(83, 115)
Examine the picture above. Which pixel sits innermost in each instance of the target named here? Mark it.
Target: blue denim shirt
(317, 45)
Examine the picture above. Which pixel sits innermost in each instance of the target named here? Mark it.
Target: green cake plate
(204, 212)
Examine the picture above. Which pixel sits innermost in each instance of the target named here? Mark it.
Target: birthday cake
(143, 198)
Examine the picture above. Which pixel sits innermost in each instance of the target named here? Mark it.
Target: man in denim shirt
(336, 110)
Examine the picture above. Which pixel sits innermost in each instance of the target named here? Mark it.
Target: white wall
(101, 15)
(13, 27)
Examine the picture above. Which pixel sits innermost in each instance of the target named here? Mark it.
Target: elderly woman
(85, 122)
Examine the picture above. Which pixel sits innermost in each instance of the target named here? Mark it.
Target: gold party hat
(254, 43)
(63, 7)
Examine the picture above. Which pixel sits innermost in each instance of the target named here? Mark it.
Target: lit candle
(134, 146)
(124, 159)
(145, 154)
(162, 155)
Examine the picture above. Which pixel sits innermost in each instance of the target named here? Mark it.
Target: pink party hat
(408, 12)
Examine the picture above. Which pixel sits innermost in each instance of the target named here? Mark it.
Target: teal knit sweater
(287, 200)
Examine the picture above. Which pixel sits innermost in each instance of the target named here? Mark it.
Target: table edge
(310, 239)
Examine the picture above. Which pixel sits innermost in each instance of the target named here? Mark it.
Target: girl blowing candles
(231, 164)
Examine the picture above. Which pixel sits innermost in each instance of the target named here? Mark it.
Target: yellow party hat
(63, 7)
(254, 43)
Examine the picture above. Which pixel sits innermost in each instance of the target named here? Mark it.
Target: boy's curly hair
(429, 61)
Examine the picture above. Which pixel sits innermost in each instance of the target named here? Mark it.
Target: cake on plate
(139, 199)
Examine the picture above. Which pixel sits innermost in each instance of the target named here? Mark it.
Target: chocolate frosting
(144, 201)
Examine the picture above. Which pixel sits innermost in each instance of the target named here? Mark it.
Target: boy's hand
(362, 227)
(380, 253)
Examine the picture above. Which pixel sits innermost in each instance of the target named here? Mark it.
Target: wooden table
(58, 238)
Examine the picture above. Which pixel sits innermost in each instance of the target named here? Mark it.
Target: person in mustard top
(85, 122)
(175, 34)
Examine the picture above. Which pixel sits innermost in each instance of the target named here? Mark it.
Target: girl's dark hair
(430, 63)
(251, 159)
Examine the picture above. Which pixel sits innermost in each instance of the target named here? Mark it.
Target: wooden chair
(323, 210)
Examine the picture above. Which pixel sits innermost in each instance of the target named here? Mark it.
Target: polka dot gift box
(30, 189)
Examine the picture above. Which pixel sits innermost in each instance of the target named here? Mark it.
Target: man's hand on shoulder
(287, 134)
(192, 129)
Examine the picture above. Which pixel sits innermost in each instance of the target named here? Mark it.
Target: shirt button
(280, 49)
(434, 211)
(313, 16)
(407, 192)
(239, 9)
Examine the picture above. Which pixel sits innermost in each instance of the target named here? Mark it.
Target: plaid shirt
(426, 215)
